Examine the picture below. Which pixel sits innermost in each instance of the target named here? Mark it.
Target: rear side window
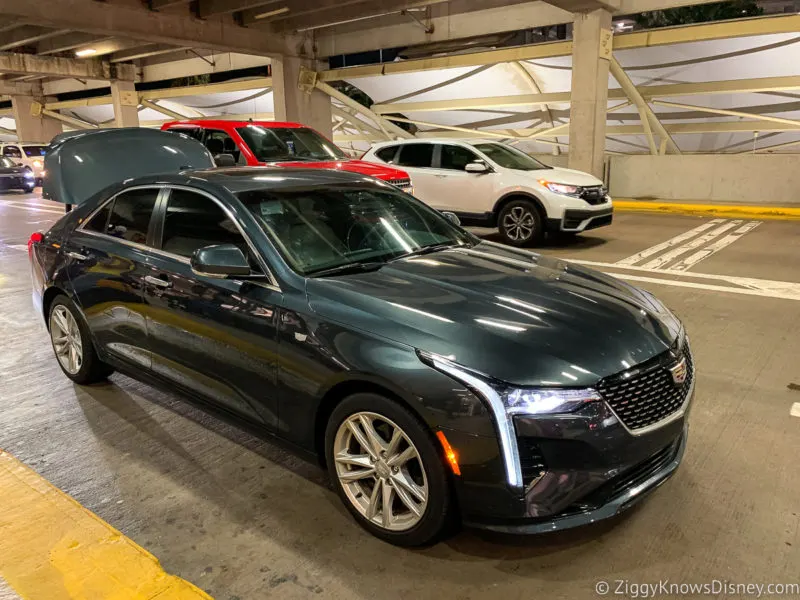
(99, 221)
(387, 154)
(130, 215)
(415, 155)
(12, 151)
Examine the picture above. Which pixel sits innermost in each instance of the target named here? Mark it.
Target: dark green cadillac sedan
(442, 379)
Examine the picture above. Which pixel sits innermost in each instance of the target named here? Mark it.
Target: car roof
(241, 179)
(227, 124)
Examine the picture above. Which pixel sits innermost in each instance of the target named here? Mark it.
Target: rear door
(417, 160)
(215, 338)
(107, 263)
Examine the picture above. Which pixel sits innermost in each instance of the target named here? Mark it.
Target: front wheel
(388, 471)
(72, 344)
(520, 224)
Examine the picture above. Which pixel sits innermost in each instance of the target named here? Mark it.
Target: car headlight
(561, 188)
(28, 174)
(505, 401)
(37, 164)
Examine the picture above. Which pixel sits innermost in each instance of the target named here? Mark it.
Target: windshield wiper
(432, 248)
(360, 267)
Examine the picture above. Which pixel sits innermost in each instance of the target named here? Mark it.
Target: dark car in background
(439, 377)
(15, 177)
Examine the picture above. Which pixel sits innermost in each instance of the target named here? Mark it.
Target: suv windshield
(31, 151)
(333, 228)
(510, 158)
(288, 143)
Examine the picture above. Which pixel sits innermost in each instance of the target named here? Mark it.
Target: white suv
(26, 154)
(495, 185)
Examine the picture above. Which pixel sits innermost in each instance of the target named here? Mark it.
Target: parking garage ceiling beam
(640, 39)
(26, 35)
(131, 21)
(208, 8)
(30, 64)
(729, 113)
(70, 41)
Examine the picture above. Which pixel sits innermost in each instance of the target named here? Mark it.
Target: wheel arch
(49, 295)
(517, 195)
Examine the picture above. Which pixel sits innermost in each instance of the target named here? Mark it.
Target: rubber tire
(29, 189)
(437, 521)
(538, 225)
(92, 370)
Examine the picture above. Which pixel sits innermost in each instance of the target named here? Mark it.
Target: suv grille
(646, 394)
(595, 194)
(401, 183)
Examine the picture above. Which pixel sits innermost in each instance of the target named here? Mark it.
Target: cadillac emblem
(679, 371)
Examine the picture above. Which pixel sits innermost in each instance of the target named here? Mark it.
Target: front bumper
(577, 220)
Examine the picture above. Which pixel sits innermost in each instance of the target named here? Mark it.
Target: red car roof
(223, 123)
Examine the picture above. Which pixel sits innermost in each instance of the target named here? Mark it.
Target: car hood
(383, 172)
(519, 317)
(568, 176)
(13, 170)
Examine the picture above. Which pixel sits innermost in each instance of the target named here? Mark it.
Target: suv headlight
(505, 401)
(28, 174)
(561, 188)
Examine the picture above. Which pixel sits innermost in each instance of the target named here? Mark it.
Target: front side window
(272, 144)
(510, 158)
(12, 151)
(130, 214)
(415, 155)
(387, 154)
(456, 157)
(328, 228)
(7, 163)
(194, 221)
(34, 151)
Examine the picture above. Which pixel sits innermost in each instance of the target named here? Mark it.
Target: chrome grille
(645, 395)
(401, 183)
(593, 194)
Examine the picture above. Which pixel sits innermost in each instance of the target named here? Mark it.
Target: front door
(417, 160)
(216, 338)
(107, 264)
(465, 193)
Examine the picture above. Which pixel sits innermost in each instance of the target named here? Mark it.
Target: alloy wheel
(519, 223)
(381, 471)
(67, 341)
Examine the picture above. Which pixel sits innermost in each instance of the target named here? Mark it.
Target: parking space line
(23, 206)
(51, 547)
(712, 249)
(678, 239)
(664, 259)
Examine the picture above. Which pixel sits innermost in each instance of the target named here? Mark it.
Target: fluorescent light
(272, 13)
(85, 52)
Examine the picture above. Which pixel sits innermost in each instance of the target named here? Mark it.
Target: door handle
(77, 255)
(157, 281)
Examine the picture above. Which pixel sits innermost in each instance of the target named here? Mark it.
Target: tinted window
(387, 154)
(12, 151)
(271, 144)
(193, 132)
(457, 157)
(194, 221)
(510, 158)
(220, 142)
(7, 163)
(130, 216)
(99, 221)
(32, 151)
(415, 155)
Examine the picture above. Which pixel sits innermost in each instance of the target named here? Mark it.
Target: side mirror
(223, 260)
(452, 217)
(224, 160)
(476, 167)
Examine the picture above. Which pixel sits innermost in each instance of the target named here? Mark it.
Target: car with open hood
(285, 144)
(487, 183)
(440, 378)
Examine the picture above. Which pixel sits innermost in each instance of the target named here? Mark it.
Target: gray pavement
(244, 519)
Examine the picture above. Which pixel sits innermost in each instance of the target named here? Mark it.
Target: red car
(283, 144)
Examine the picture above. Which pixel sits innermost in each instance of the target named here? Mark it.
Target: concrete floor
(244, 519)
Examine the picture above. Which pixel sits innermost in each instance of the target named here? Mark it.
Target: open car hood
(79, 164)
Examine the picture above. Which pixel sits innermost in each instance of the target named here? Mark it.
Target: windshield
(31, 151)
(288, 143)
(327, 228)
(510, 158)
(6, 163)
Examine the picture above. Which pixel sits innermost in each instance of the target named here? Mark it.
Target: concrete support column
(32, 125)
(126, 104)
(591, 50)
(294, 104)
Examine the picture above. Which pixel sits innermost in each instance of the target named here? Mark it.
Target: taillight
(36, 237)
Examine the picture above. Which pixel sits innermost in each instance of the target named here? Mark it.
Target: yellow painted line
(52, 548)
(711, 210)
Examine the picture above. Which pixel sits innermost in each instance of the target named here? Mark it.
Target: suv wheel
(520, 224)
(387, 469)
(72, 344)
